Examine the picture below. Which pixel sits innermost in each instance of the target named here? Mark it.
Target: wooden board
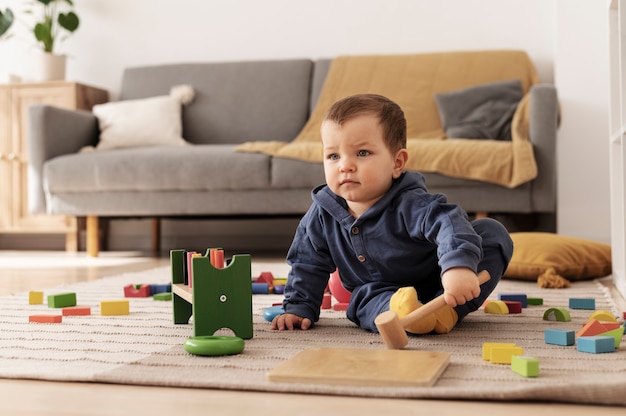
(362, 367)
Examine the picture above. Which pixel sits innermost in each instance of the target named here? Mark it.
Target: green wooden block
(557, 314)
(62, 300)
(182, 309)
(163, 296)
(535, 301)
(525, 366)
(222, 298)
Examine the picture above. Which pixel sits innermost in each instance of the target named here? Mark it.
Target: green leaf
(43, 33)
(69, 21)
(6, 20)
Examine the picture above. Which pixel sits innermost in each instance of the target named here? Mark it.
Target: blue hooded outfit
(407, 238)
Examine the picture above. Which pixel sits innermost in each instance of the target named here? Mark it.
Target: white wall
(118, 33)
(562, 37)
(582, 79)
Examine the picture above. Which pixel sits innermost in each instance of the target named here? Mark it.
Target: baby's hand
(290, 321)
(460, 285)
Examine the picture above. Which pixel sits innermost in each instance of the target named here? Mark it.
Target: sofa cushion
(154, 121)
(483, 111)
(234, 102)
(294, 174)
(215, 167)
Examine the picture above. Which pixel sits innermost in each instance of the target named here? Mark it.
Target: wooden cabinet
(14, 102)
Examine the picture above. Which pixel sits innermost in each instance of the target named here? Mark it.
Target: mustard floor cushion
(534, 253)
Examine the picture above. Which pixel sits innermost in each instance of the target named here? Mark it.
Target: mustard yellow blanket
(412, 81)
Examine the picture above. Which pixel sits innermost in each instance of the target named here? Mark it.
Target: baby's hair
(389, 114)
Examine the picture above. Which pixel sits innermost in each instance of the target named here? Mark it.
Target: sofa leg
(156, 236)
(71, 237)
(480, 215)
(93, 240)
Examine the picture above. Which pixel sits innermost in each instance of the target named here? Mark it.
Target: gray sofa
(235, 102)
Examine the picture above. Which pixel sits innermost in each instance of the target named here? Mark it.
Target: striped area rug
(146, 348)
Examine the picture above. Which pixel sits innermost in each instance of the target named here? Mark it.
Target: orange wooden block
(591, 328)
(76, 311)
(46, 319)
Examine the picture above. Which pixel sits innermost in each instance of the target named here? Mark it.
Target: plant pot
(46, 66)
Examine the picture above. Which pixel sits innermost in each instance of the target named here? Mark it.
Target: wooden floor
(23, 271)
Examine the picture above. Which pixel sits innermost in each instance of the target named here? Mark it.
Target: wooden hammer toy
(392, 328)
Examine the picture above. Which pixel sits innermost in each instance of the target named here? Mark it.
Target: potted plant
(6, 20)
(52, 17)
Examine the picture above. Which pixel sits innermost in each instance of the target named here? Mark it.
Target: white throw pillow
(155, 121)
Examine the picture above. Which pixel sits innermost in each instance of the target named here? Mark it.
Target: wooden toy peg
(392, 328)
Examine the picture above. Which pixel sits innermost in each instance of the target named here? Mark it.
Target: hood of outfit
(407, 238)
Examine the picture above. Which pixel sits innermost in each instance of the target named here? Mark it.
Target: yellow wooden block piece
(35, 298)
(496, 307)
(504, 355)
(603, 316)
(114, 307)
(488, 346)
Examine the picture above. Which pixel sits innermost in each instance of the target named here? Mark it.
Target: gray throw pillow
(481, 112)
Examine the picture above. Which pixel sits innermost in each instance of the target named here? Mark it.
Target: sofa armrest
(543, 124)
(53, 132)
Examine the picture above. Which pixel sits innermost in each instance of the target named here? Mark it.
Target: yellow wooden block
(488, 346)
(504, 355)
(35, 298)
(603, 316)
(496, 307)
(114, 307)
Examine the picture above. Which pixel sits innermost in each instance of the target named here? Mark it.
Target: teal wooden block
(558, 336)
(62, 300)
(596, 345)
(525, 366)
(582, 303)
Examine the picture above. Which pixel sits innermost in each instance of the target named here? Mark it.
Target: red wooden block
(340, 306)
(132, 291)
(265, 277)
(514, 306)
(76, 311)
(190, 255)
(46, 319)
(609, 326)
(326, 301)
(591, 328)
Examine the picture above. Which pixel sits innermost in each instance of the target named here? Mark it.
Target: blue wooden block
(557, 336)
(596, 345)
(273, 311)
(160, 288)
(582, 303)
(260, 288)
(515, 297)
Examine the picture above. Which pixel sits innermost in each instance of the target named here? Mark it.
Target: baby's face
(357, 164)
